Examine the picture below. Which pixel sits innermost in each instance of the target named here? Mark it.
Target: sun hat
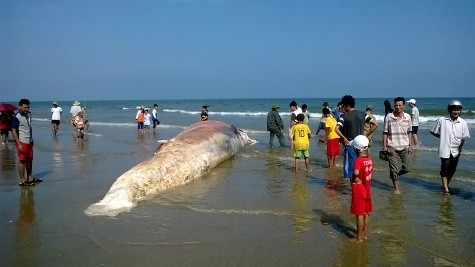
(360, 142)
(275, 106)
(54, 103)
(76, 103)
(412, 100)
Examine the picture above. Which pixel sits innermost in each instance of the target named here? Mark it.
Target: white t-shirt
(148, 119)
(56, 116)
(154, 113)
(451, 135)
(415, 116)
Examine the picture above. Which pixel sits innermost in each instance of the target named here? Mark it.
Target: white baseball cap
(360, 142)
(412, 100)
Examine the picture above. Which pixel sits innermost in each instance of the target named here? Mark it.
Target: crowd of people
(353, 131)
(344, 127)
(145, 120)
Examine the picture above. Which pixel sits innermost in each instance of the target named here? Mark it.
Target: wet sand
(249, 211)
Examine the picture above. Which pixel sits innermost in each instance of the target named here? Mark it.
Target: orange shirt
(140, 117)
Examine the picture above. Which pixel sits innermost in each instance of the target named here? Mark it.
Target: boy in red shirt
(361, 203)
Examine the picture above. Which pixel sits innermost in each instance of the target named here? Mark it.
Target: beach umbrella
(7, 107)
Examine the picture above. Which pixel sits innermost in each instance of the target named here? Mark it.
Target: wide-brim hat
(412, 100)
(76, 103)
(54, 103)
(275, 106)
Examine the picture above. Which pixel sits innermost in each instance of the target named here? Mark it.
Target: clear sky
(200, 49)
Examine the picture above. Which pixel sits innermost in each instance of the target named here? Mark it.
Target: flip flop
(36, 180)
(23, 184)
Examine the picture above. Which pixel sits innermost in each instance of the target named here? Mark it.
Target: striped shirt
(398, 130)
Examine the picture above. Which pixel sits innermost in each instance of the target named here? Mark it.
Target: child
(147, 119)
(301, 142)
(333, 139)
(140, 118)
(361, 203)
(79, 122)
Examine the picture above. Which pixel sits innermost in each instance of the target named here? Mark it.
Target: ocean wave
(315, 115)
(222, 113)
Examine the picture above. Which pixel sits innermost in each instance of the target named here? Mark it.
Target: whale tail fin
(112, 204)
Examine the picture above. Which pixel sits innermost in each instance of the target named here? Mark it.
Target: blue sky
(166, 49)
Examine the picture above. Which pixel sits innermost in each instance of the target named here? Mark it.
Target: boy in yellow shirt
(301, 142)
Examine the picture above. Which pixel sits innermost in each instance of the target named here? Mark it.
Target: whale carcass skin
(189, 155)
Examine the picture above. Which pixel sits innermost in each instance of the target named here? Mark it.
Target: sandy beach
(251, 210)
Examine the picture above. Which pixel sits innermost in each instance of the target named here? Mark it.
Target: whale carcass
(189, 155)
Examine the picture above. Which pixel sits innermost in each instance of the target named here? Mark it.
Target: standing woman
(56, 112)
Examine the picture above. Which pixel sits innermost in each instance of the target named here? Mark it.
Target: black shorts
(414, 129)
(57, 122)
(448, 166)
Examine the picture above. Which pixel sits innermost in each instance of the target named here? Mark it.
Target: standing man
(350, 125)
(55, 117)
(396, 141)
(204, 113)
(23, 136)
(294, 111)
(415, 122)
(275, 126)
(154, 116)
(452, 132)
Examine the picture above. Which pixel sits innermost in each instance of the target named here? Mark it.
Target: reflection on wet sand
(7, 159)
(26, 232)
(394, 248)
(353, 254)
(300, 205)
(80, 156)
(445, 224)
